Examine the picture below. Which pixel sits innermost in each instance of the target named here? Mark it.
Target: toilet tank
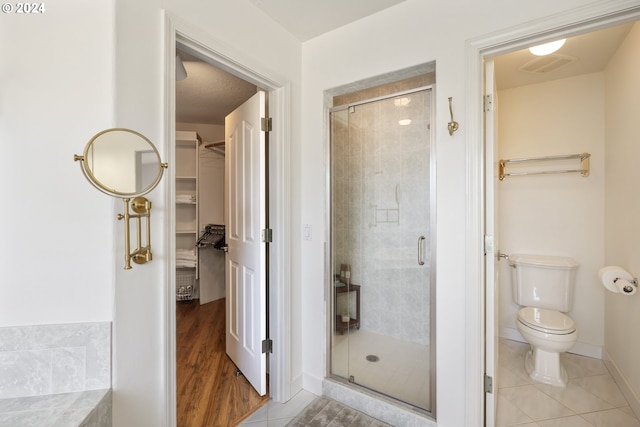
(543, 281)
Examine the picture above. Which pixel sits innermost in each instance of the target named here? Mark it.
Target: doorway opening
(178, 38)
(211, 387)
(382, 263)
(532, 210)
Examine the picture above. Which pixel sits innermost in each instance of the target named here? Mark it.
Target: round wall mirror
(122, 163)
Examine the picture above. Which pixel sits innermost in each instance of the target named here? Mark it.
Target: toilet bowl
(543, 286)
(549, 332)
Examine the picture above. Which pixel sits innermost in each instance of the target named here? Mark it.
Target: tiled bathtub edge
(40, 360)
(80, 409)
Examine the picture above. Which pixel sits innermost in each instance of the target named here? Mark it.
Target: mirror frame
(141, 206)
(88, 173)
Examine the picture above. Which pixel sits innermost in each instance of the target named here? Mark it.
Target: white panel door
(245, 282)
(491, 233)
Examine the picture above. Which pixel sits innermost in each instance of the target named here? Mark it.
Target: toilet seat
(547, 321)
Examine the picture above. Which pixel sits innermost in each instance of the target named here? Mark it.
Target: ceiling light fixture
(547, 48)
(404, 122)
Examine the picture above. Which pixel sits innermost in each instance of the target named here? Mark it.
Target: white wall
(56, 230)
(622, 222)
(410, 33)
(559, 214)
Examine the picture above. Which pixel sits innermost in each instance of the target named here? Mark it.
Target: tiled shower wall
(381, 190)
(53, 359)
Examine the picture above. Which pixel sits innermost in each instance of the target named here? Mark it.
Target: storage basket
(185, 285)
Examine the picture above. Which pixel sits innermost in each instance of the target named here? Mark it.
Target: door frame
(570, 23)
(177, 32)
(330, 295)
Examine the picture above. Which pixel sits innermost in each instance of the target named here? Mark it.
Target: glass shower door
(381, 245)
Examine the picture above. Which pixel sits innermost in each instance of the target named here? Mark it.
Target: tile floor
(275, 414)
(590, 399)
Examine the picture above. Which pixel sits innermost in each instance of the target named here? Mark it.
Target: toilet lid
(548, 321)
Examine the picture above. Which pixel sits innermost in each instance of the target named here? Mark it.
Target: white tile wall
(50, 359)
(381, 190)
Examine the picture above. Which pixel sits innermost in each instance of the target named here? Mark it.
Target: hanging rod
(217, 147)
(583, 157)
(214, 144)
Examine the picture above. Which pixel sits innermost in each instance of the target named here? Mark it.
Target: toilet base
(545, 367)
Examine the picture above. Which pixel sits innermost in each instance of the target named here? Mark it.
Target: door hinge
(488, 384)
(267, 346)
(266, 124)
(488, 103)
(267, 235)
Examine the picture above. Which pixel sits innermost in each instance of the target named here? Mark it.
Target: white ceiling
(591, 53)
(306, 19)
(208, 94)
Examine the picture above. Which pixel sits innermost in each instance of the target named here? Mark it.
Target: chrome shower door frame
(330, 268)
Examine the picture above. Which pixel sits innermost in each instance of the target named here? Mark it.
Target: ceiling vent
(546, 64)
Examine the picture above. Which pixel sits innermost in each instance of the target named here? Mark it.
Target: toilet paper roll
(616, 279)
(625, 287)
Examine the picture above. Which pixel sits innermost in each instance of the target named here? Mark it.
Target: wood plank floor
(208, 391)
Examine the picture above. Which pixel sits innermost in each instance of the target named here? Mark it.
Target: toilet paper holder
(633, 281)
(618, 280)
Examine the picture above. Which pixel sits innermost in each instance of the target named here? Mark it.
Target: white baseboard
(296, 384)
(312, 383)
(625, 388)
(581, 348)
(511, 334)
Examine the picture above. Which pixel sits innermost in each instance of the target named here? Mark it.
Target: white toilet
(543, 285)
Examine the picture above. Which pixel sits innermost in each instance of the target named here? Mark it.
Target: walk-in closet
(210, 390)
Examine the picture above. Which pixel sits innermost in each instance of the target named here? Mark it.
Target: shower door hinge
(266, 124)
(487, 103)
(267, 346)
(488, 384)
(267, 235)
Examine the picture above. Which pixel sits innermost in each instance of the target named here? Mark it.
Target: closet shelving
(187, 148)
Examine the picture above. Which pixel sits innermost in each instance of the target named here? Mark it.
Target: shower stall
(382, 205)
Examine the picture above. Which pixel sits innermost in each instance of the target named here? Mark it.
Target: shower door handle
(420, 255)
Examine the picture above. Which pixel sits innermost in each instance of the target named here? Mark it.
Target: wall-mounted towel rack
(583, 157)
